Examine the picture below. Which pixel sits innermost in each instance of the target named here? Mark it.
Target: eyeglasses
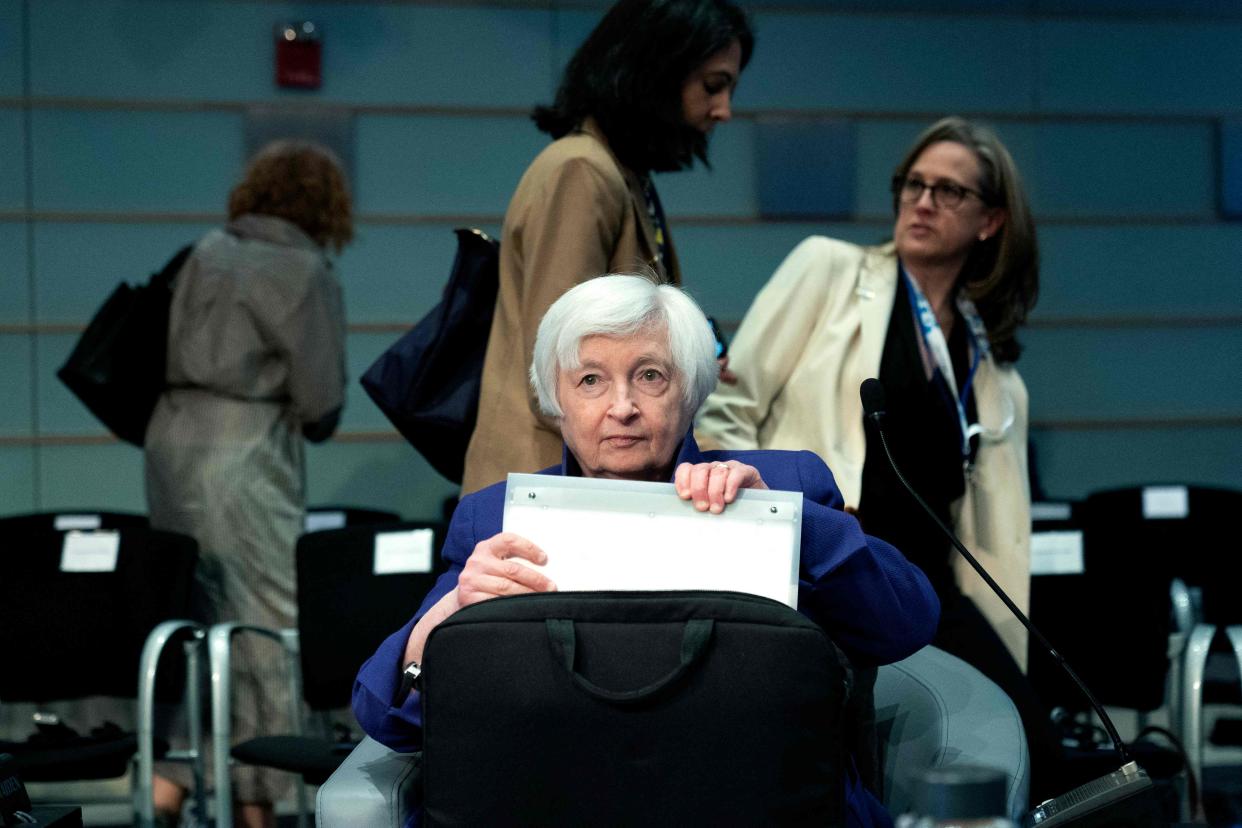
(943, 194)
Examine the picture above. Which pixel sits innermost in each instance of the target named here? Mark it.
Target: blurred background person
(256, 350)
(641, 95)
(934, 315)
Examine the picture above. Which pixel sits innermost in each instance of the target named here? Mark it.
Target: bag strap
(172, 267)
(694, 641)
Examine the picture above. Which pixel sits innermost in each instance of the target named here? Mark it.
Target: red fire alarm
(299, 55)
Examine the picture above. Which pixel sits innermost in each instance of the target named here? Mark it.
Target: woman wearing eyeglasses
(933, 314)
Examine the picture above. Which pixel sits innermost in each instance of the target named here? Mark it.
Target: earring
(983, 237)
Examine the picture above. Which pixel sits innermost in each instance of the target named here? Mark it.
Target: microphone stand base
(1125, 798)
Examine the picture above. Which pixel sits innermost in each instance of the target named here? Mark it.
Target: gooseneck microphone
(1127, 792)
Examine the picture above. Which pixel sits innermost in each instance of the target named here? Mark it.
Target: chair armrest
(934, 710)
(374, 787)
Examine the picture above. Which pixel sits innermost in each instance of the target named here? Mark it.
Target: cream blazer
(813, 334)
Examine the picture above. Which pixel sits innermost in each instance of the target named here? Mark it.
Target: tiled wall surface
(122, 124)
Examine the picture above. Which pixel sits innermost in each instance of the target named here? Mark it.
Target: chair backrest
(345, 608)
(72, 634)
(935, 710)
(1111, 619)
(1186, 528)
(334, 516)
(67, 519)
(619, 708)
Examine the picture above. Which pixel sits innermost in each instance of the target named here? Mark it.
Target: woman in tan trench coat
(641, 95)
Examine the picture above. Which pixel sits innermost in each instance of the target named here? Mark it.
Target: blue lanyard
(938, 346)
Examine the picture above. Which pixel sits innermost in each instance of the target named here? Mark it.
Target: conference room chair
(1131, 619)
(1192, 526)
(80, 608)
(932, 710)
(355, 586)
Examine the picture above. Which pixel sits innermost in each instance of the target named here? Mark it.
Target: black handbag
(632, 708)
(117, 367)
(427, 383)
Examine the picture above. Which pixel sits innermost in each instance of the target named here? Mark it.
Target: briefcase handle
(694, 641)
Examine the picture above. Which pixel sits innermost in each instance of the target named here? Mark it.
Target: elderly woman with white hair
(622, 364)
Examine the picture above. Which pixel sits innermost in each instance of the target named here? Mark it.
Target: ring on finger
(724, 466)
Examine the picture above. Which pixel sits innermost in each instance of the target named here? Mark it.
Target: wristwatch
(409, 681)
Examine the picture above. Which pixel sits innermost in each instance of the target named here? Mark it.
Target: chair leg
(1191, 724)
(219, 643)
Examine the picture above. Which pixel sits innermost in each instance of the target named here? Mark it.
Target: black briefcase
(632, 708)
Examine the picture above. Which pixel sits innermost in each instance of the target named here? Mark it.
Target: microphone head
(872, 394)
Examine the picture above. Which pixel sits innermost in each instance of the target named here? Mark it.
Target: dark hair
(1001, 274)
(629, 73)
(301, 182)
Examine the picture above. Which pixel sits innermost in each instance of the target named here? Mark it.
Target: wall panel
(92, 160)
(877, 62)
(441, 165)
(373, 52)
(1140, 271)
(726, 189)
(107, 477)
(60, 412)
(383, 475)
(79, 264)
(1152, 66)
(14, 279)
(17, 479)
(13, 167)
(1074, 463)
(12, 17)
(1128, 373)
(1094, 169)
(15, 415)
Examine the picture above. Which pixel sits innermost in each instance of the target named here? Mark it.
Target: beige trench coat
(576, 214)
(813, 334)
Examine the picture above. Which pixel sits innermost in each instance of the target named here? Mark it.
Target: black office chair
(1191, 527)
(1112, 621)
(79, 608)
(345, 610)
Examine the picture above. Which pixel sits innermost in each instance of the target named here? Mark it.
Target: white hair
(622, 304)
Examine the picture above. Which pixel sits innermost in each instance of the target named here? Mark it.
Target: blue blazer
(873, 603)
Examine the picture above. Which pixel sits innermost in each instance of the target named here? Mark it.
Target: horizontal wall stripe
(742, 112)
(375, 436)
(104, 439)
(883, 222)
(1042, 323)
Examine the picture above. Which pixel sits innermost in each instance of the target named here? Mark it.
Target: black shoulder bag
(427, 383)
(117, 367)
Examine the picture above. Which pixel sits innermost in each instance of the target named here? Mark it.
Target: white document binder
(625, 535)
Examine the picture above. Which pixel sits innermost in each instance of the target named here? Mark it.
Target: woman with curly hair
(256, 348)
